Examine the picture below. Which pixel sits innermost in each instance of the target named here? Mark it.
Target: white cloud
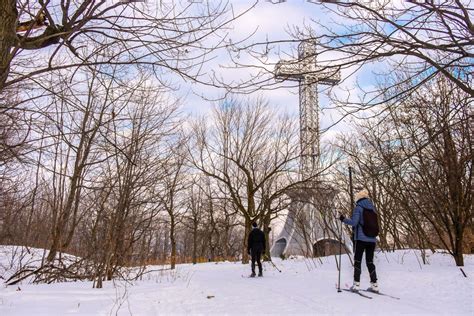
(272, 22)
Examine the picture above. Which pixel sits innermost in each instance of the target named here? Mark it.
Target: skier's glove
(342, 218)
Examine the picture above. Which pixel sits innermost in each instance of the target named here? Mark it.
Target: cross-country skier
(255, 248)
(362, 242)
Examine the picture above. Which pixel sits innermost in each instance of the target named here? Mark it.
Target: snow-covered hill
(303, 287)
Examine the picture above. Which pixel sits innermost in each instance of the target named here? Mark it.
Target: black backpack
(371, 223)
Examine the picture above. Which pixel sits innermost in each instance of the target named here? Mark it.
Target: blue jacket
(357, 219)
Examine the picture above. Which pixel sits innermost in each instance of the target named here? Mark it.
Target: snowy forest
(154, 133)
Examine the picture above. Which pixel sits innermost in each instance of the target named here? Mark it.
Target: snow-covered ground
(303, 287)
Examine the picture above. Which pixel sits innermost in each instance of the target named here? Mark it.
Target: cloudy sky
(273, 22)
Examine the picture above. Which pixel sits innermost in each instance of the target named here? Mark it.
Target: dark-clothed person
(255, 248)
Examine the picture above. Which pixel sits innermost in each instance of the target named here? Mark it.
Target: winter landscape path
(304, 287)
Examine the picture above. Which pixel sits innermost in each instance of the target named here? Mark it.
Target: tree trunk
(266, 230)
(173, 243)
(248, 228)
(458, 245)
(56, 236)
(195, 243)
(8, 16)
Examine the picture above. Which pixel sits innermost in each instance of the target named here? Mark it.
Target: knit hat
(364, 193)
(254, 224)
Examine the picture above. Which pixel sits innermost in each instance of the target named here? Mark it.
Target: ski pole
(275, 266)
(270, 259)
(340, 250)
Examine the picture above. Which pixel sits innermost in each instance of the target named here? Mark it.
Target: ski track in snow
(302, 288)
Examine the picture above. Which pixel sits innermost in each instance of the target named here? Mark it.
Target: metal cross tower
(304, 225)
(308, 74)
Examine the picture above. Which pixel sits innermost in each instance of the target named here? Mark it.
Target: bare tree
(194, 214)
(252, 153)
(420, 157)
(434, 37)
(212, 220)
(77, 116)
(139, 136)
(14, 130)
(173, 184)
(163, 36)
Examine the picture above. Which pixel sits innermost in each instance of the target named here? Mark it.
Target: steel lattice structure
(306, 71)
(304, 224)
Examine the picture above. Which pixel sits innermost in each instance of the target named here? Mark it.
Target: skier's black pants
(369, 248)
(256, 256)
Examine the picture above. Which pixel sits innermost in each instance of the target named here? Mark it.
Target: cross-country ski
(358, 293)
(380, 293)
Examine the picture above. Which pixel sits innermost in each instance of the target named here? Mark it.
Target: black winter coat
(256, 241)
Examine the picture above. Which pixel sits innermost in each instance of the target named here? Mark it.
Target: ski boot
(260, 274)
(374, 287)
(252, 275)
(355, 287)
